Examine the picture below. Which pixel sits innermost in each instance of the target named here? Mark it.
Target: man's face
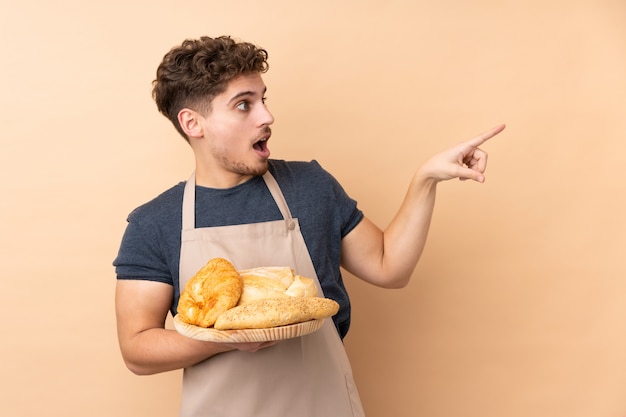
(237, 129)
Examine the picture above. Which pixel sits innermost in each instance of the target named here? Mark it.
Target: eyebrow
(244, 94)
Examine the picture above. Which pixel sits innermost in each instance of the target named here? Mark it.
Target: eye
(243, 106)
(264, 99)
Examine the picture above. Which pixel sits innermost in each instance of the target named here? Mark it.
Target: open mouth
(260, 146)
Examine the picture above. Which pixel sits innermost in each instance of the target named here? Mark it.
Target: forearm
(405, 237)
(160, 350)
(147, 347)
(387, 258)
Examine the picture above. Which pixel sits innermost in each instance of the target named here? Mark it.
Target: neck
(207, 178)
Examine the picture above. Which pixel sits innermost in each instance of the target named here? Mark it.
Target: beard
(238, 160)
(245, 168)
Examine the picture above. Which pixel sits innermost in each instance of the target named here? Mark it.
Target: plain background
(517, 307)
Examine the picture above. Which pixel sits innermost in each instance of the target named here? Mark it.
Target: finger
(483, 137)
(253, 347)
(474, 176)
(263, 345)
(471, 174)
(478, 160)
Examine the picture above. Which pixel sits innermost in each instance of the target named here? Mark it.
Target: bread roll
(274, 282)
(257, 287)
(302, 287)
(283, 274)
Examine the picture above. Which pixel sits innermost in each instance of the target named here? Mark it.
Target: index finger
(482, 138)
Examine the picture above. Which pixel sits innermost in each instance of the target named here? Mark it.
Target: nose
(266, 118)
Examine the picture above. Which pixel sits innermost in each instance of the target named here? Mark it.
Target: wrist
(424, 178)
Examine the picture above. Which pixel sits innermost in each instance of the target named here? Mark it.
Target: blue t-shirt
(150, 248)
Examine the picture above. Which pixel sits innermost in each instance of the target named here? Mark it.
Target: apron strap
(279, 198)
(189, 200)
(189, 203)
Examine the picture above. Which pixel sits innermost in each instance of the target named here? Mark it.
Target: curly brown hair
(193, 73)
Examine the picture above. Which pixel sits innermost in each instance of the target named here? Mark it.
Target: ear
(189, 121)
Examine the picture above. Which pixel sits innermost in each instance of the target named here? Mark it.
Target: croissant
(211, 291)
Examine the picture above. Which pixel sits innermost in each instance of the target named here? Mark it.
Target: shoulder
(308, 187)
(296, 172)
(161, 207)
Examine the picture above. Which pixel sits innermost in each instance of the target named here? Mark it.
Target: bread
(274, 282)
(219, 296)
(256, 288)
(302, 287)
(283, 274)
(210, 292)
(273, 312)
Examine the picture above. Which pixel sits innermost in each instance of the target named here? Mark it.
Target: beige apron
(309, 376)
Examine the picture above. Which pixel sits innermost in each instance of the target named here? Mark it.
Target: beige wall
(517, 308)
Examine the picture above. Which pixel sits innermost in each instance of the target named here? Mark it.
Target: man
(256, 211)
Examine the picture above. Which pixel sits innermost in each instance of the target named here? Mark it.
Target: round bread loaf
(211, 291)
(258, 287)
(274, 282)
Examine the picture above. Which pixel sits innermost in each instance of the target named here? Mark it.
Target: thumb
(471, 174)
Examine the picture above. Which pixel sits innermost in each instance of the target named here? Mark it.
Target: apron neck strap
(189, 203)
(189, 199)
(279, 198)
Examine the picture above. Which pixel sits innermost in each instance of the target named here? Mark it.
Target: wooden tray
(247, 335)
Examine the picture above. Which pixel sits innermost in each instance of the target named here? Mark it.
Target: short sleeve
(141, 255)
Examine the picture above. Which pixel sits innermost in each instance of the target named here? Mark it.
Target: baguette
(273, 312)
